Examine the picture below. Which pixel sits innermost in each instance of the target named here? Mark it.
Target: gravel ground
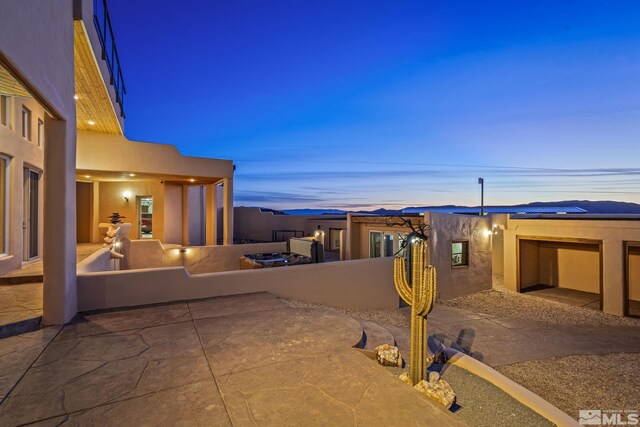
(481, 404)
(392, 317)
(505, 303)
(608, 381)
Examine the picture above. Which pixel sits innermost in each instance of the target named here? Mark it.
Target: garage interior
(633, 279)
(564, 271)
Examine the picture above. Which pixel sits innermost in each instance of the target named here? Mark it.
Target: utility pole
(481, 182)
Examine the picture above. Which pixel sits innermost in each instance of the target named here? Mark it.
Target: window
(375, 247)
(385, 244)
(5, 110)
(40, 132)
(4, 205)
(26, 123)
(459, 254)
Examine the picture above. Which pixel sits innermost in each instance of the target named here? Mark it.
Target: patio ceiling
(94, 109)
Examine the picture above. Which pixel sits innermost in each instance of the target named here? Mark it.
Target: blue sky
(366, 104)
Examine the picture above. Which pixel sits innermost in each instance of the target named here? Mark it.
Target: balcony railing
(109, 51)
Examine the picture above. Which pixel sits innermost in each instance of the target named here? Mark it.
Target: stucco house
(65, 163)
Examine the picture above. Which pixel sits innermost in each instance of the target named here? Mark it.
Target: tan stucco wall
(252, 224)
(111, 200)
(173, 214)
(104, 152)
(84, 205)
(361, 284)
(457, 281)
(444, 228)
(35, 36)
(634, 274)
(529, 263)
(612, 233)
(571, 266)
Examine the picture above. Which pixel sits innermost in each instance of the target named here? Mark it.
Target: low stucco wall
(361, 284)
(197, 259)
(96, 262)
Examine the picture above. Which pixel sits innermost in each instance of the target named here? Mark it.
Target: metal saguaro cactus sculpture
(421, 295)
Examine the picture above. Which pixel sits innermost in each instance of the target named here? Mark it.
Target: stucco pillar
(59, 249)
(227, 204)
(95, 213)
(613, 292)
(185, 215)
(212, 214)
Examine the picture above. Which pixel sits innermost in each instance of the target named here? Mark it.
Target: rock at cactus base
(404, 377)
(388, 355)
(437, 389)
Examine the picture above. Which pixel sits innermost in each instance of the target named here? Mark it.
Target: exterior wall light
(318, 235)
(126, 195)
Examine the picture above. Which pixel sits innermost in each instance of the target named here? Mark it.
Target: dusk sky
(366, 104)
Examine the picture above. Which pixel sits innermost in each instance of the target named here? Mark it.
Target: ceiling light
(87, 176)
(132, 174)
(192, 180)
(91, 122)
(76, 97)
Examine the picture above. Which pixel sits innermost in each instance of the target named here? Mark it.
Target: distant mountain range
(598, 206)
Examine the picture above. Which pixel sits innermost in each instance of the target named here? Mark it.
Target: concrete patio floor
(566, 296)
(21, 295)
(242, 360)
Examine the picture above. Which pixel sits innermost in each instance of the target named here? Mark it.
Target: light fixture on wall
(91, 122)
(126, 195)
(76, 97)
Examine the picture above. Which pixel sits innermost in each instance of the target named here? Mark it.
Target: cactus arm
(400, 280)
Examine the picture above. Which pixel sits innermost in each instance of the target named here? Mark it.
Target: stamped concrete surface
(20, 302)
(241, 360)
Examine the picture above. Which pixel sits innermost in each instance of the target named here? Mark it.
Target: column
(95, 213)
(227, 223)
(185, 215)
(212, 214)
(60, 301)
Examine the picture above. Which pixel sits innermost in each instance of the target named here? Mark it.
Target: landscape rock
(437, 389)
(388, 355)
(404, 377)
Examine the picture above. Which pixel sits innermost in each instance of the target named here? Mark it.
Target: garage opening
(633, 280)
(562, 271)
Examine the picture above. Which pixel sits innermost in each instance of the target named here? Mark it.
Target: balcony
(99, 83)
(102, 22)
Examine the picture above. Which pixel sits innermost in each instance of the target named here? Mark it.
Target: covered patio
(163, 194)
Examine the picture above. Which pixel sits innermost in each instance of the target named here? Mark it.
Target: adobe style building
(65, 164)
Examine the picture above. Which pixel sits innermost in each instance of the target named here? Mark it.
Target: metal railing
(102, 22)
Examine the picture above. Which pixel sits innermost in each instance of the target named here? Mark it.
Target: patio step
(375, 335)
(21, 327)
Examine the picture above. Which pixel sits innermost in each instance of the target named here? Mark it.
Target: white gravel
(604, 381)
(503, 303)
